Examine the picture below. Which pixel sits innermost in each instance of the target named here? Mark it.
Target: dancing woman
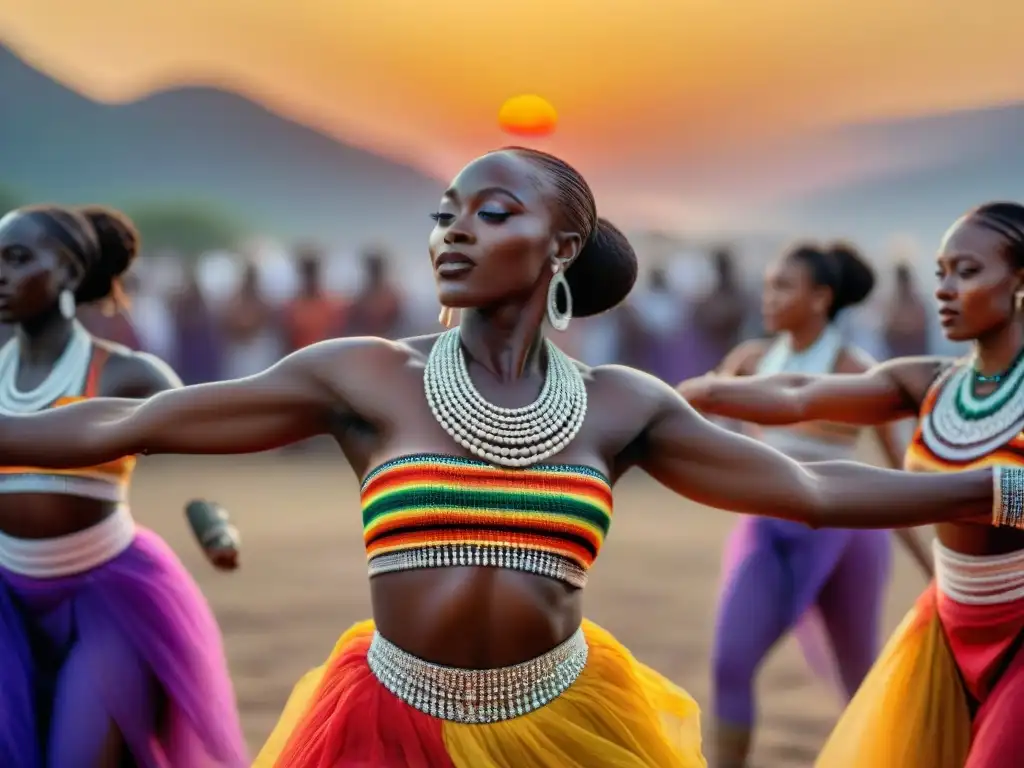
(482, 516)
(948, 689)
(830, 583)
(110, 655)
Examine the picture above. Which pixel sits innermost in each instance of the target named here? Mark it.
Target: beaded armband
(1008, 497)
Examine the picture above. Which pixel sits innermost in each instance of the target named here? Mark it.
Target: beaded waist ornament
(477, 696)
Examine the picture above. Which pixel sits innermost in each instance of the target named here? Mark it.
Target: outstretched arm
(873, 397)
(697, 459)
(291, 401)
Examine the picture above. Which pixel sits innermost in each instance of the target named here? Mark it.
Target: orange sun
(527, 115)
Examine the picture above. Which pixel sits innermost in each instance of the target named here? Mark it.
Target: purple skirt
(131, 643)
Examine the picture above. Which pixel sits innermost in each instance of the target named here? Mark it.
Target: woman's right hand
(291, 401)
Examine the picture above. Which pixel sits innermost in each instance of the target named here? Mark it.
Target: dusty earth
(303, 581)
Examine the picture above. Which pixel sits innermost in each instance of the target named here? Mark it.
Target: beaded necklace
(964, 426)
(67, 374)
(511, 437)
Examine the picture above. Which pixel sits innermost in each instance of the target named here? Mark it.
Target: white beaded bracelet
(1008, 497)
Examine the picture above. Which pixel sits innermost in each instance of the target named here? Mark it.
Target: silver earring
(66, 304)
(559, 319)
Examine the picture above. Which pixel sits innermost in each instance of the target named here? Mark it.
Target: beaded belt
(71, 554)
(477, 696)
(517, 558)
(979, 579)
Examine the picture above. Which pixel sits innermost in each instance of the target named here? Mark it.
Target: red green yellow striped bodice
(433, 511)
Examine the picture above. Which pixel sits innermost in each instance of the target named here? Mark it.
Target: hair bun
(118, 246)
(603, 273)
(856, 277)
(118, 238)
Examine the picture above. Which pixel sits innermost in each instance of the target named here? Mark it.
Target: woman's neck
(506, 340)
(43, 340)
(802, 338)
(995, 352)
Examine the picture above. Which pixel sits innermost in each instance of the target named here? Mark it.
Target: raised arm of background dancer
(293, 400)
(876, 396)
(713, 466)
(892, 446)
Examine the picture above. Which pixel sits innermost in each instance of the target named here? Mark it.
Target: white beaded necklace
(511, 437)
(66, 377)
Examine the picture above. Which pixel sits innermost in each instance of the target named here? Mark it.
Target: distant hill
(968, 158)
(201, 143)
(283, 178)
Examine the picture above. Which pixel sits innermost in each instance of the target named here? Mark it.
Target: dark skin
(502, 215)
(976, 291)
(33, 271)
(792, 303)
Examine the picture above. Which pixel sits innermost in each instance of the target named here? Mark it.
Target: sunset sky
(639, 85)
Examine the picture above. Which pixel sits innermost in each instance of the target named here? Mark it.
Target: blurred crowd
(228, 315)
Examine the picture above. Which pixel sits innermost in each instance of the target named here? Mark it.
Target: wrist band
(1008, 497)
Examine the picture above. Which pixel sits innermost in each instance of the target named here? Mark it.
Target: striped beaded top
(959, 430)
(434, 510)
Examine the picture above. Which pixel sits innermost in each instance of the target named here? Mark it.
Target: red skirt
(914, 709)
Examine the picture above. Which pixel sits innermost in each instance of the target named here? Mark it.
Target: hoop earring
(447, 317)
(66, 304)
(559, 319)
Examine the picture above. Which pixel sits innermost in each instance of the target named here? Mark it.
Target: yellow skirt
(911, 710)
(618, 713)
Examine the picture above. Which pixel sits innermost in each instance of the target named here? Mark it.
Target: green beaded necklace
(971, 406)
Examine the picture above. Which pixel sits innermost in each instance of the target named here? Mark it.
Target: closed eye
(442, 218)
(496, 217)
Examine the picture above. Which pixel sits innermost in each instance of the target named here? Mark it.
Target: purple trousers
(129, 645)
(828, 585)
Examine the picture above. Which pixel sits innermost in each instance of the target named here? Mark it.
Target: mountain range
(204, 144)
(909, 176)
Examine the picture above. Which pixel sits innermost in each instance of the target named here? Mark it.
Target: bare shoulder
(419, 346)
(129, 373)
(358, 360)
(629, 392)
(637, 411)
(742, 360)
(914, 375)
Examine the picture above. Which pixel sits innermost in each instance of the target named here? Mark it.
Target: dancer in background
(948, 689)
(111, 656)
(777, 574)
(481, 516)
